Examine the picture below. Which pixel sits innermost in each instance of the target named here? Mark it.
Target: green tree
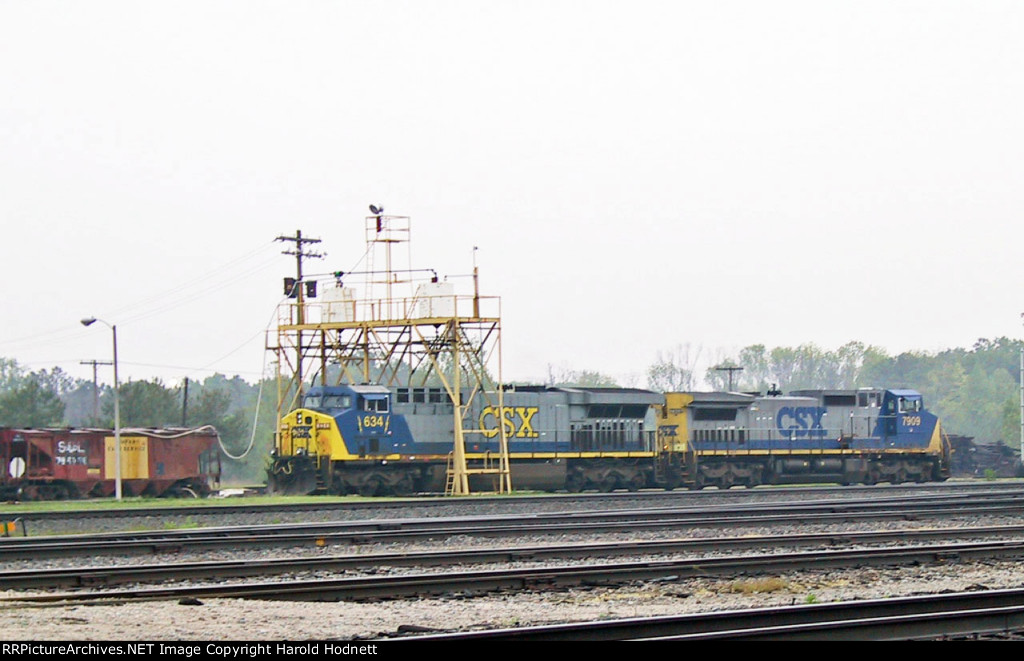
(674, 370)
(248, 436)
(11, 374)
(210, 407)
(32, 403)
(579, 378)
(145, 404)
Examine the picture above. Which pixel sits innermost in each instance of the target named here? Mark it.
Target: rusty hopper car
(50, 464)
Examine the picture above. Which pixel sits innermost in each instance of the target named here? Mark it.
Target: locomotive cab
(343, 421)
(323, 400)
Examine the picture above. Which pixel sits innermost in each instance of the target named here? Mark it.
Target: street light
(89, 321)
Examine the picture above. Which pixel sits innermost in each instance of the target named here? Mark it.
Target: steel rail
(91, 576)
(428, 502)
(990, 613)
(483, 581)
(366, 531)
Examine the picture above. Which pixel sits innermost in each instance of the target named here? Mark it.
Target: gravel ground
(246, 620)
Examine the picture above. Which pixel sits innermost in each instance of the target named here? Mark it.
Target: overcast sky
(637, 176)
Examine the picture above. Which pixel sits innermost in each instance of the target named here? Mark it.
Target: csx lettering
(912, 420)
(524, 428)
(800, 421)
(668, 430)
(301, 431)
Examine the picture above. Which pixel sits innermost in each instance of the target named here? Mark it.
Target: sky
(631, 178)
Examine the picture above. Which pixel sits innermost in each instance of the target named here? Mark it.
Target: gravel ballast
(250, 620)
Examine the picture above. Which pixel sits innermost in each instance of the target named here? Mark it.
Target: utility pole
(730, 369)
(184, 405)
(95, 388)
(300, 254)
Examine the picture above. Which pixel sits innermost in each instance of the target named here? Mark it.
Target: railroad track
(617, 500)
(475, 582)
(992, 615)
(95, 576)
(373, 531)
(632, 512)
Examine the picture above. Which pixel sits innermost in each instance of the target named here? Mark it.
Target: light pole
(88, 321)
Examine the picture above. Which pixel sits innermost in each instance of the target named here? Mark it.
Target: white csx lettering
(524, 428)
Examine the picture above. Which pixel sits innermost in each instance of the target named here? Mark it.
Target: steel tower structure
(396, 326)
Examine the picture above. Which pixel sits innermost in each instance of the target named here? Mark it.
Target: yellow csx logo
(517, 421)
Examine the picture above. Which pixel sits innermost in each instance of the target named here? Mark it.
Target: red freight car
(50, 464)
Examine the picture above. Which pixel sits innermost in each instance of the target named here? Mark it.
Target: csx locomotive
(374, 440)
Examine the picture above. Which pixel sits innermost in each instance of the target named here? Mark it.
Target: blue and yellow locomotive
(374, 440)
(846, 436)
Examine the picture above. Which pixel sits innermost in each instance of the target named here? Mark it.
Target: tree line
(975, 392)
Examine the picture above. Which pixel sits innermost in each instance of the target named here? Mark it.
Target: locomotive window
(311, 401)
(909, 405)
(376, 405)
(337, 401)
(840, 400)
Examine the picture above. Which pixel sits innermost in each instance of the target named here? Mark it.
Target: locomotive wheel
(574, 482)
(404, 486)
(635, 483)
(608, 484)
(371, 487)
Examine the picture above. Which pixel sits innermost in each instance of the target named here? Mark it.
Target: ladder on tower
(490, 464)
